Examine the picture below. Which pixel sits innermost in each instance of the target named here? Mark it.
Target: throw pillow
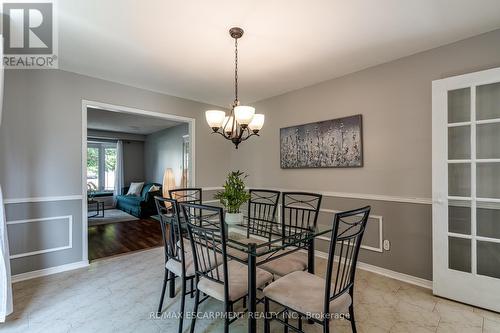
(135, 189)
(154, 188)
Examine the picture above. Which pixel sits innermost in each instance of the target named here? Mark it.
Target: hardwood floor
(122, 237)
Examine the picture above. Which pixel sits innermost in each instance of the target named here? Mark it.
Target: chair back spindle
(187, 195)
(261, 215)
(207, 234)
(299, 212)
(347, 234)
(171, 229)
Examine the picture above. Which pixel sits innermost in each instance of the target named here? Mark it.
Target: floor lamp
(168, 182)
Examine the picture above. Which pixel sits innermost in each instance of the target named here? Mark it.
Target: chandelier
(242, 121)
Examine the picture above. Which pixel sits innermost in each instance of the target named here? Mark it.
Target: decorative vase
(234, 219)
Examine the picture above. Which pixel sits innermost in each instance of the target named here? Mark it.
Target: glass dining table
(281, 242)
(278, 243)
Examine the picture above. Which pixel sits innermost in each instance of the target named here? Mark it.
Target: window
(101, 165)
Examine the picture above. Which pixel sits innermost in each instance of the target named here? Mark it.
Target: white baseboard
(49, 271)
(396, 275)
(387, 272)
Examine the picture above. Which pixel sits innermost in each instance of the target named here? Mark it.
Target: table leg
(310, 256)
(252, 289)
(310, 263)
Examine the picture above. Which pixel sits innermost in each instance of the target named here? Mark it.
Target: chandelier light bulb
(244, 114)
(257, 122)
(215, 118)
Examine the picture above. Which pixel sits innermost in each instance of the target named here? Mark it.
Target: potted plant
(233, 196)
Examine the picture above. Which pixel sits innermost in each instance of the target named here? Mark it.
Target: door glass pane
(488, 101)
(93, 168)
(488, 259)
(488, 219)
(459, 217)
(459, 105)
(488, 180)
(459, 179)
(488, 137)
(459, 143)
(459, 254)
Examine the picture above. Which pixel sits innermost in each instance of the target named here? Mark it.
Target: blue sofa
(139, 206)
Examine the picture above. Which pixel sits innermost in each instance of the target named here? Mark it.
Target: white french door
(466, 188)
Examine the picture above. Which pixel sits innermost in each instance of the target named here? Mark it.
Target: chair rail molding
(43, 199)
(349, 195)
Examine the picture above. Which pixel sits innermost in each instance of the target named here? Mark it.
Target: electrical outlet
(387, 245)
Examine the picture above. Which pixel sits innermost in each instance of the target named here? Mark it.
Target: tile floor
(120, 294)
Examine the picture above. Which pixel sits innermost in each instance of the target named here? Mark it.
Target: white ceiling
(125, 123)
(183, 48)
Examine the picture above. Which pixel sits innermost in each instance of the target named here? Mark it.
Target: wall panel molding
(366, 247)
(53, 249)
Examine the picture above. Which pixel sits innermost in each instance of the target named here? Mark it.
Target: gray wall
(41, 149)
(163, 150)
(395, 101)
(133, 162)
(40, 145)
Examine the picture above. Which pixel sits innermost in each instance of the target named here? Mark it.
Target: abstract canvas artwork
(336, 143)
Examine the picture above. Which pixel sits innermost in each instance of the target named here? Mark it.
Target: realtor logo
(29, 35)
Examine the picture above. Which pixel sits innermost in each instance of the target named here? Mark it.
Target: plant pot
(234, 218)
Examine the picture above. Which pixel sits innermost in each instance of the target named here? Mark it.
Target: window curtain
(5, 281)
(119, 182)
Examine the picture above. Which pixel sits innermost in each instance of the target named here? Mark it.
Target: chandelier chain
(228, 126)
(235, 71)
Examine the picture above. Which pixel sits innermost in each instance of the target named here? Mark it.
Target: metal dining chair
(299, 213)
(187, 195)
(216, 276)
(178, 262)
(261, 215)
(323, 299)
(261, 220)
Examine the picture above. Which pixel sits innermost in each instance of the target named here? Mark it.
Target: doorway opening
(127, 154)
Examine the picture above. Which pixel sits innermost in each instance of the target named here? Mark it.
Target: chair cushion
(296, 261)
(305, 292)
(187, 245)
(176, 266)
(238, 281)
